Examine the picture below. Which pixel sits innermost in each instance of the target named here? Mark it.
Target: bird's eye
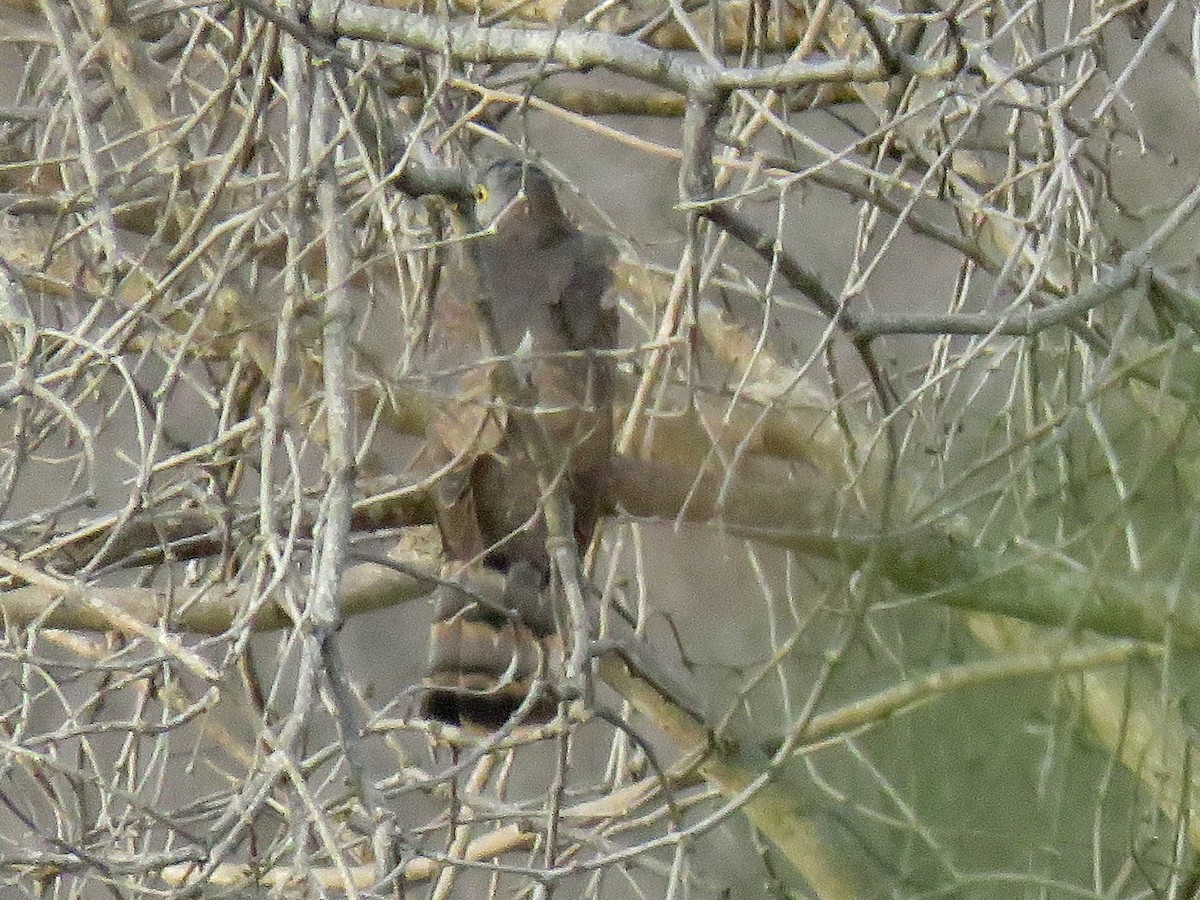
(481, 193)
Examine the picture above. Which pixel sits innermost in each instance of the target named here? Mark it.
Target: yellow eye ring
(481, 193)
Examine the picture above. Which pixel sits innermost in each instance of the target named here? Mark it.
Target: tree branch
(580, 50)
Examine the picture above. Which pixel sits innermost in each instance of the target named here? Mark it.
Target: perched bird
(539, 403)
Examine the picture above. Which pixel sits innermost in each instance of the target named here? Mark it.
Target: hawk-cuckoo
(538, 407)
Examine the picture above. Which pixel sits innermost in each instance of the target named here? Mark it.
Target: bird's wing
(586, 306)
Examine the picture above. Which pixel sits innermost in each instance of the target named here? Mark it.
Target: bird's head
(512, 197)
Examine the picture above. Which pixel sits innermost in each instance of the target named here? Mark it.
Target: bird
(539, 403)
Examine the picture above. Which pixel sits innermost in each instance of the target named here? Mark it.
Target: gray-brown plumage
(537, 288)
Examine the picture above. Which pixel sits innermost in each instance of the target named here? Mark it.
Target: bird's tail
(489, 662)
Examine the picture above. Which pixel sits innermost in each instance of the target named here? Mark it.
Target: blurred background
(899, 566)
